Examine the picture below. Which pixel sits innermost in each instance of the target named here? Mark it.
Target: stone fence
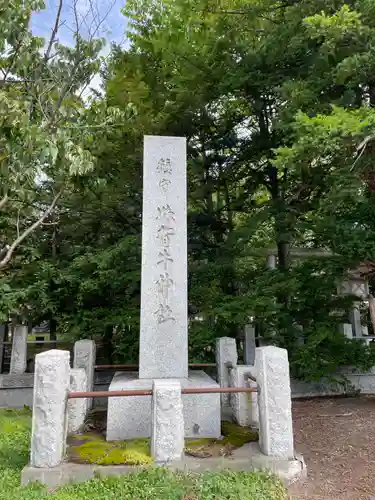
(55, 415)
(16, 388)
(345, 381)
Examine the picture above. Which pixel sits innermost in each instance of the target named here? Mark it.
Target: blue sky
(112, 26)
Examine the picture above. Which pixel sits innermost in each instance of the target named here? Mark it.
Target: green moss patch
(234, 437)
(93, 449)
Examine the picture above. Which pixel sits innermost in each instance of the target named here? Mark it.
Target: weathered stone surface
(77, 408)
(271, 262)
(49, 421)
(2, 339)
(249, 345)
(365, 334)
(21, 380)
(164, 326)
(300, 340)
(275, 404)
(347, 330)
(226, 352)
(130, 417)
(85, 357)
(167, 440)
(355, 319)
(16, 398)
(19, 350)
(244, 405)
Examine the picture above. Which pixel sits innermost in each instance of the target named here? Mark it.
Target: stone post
(249, 345)
(271, 261)
(18, 359)
(371, 305)
(244, 405)
(226, 353)
(167, 440)
(85, 357)
(77, 408)
(355, 319)
(300, 340)
(49, 421)
(275, 404)
(3, 330)
(347, 330)
(365, 334)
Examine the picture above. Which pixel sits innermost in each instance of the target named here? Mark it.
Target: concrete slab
(247, 458)
(130, 417)
(16, 380)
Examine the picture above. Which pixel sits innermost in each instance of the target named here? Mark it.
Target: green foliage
(276, 101)
(15, 428)
(326, 350)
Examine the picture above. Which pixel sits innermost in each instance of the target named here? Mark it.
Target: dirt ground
(337, 439)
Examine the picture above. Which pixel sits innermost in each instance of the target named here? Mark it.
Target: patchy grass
(152, 483)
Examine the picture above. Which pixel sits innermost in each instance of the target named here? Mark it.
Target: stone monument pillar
(163, 351)
(163, 338)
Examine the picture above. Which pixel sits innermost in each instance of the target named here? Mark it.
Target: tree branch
(54, 33)
(5, 260)
(44, 61)
(361, 149)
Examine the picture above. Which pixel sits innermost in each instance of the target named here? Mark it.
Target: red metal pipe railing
(148, 392)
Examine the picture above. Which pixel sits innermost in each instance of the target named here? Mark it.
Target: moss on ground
(234, 437)
(95, 450)
(237, 435)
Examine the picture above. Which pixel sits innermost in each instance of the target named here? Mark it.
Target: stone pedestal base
(130, 417)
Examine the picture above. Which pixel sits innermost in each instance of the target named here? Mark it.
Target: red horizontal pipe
(109, 394)
(42, 342)
(215, 390)
(192, 365)
(148, 392)
(47, 342)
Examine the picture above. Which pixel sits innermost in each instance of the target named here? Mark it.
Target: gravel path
(337, 439)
